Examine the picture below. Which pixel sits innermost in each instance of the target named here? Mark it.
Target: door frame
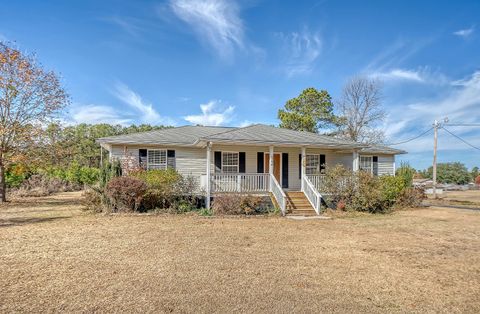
(281, 163)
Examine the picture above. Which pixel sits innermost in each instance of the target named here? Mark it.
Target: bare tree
(29, 98)
(361, 111)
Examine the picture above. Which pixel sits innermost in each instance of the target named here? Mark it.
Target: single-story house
(262, 159)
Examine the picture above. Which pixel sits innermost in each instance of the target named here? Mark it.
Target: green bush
(392, 187)
(160, 187)
(15, 175)
(406, 172)
(74, 174)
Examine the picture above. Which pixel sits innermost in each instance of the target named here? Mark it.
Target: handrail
(278, 193)
(240, 182)
(313, 196)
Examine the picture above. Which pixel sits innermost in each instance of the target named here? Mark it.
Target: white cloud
(301, 51)
(137, 111)
(211, 115)
(459, 101)
(94, 114)
(399, 74)
(465, 33)
(215, 22)
(147, 113)
(395, 54)
(419, 75)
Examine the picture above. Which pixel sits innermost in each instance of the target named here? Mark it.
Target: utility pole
(435, 136)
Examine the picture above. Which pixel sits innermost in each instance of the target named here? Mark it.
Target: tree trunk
(3, 186)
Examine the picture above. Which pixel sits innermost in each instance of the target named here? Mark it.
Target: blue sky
(236, 62)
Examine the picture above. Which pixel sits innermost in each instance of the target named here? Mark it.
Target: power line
(461, 139)
(464, 124)
(411, 139)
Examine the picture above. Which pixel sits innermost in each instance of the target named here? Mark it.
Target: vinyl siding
(192, 160)
(386, 165)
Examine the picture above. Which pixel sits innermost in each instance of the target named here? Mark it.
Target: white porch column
(356, 161)
(270, 165)
(304, 166)
(209, 177)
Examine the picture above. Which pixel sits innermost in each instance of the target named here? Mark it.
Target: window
(313, 164)
(230, 162)
(156, 159)
(366, 163)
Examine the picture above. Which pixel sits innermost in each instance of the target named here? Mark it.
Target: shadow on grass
(19, 221)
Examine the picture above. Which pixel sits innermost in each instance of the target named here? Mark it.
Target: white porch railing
(312, 194)
(318, 181)
(240, 183)
(278, 193)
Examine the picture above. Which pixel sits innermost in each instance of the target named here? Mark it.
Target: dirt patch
(424, 260)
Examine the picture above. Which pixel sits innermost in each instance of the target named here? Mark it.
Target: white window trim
(371, 162)
(160, 164)
(238, 161)
(319, 166)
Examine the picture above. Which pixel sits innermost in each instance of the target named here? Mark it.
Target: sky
(234, 63)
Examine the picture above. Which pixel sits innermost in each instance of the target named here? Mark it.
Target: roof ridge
(144, 132)
(232, 130)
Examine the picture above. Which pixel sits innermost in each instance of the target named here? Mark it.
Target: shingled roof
(184, 135)
(265, 134)
(256, 134)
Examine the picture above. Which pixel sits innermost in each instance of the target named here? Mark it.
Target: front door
(276, 166)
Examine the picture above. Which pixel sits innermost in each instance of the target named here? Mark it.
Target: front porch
(292, 178)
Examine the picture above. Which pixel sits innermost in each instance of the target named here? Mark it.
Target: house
(262, 159)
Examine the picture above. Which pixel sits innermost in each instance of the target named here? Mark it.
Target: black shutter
(322, 163)
(171, 159)
(260, 162)
(218, 161)
(142, 158)
(285, 170)
(300, 166)
(241, 162)
(375, 165)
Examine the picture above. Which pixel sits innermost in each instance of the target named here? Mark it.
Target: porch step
(298, 204)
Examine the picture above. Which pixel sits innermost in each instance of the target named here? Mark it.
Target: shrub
(392, 187)
(411, 197)
(160, 187)
(339, 184)
(406, 172)
(42, 185)
(74, 174)
(89, 176)
(15, 175)
(477, 180)
(92, 200)
(126, 193)
(368, 194)
(236, 204)
(360, 191)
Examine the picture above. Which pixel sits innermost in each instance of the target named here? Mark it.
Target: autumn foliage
(29, 97)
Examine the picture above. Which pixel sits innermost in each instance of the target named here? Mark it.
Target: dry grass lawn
(469, 198)
(54, 257)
